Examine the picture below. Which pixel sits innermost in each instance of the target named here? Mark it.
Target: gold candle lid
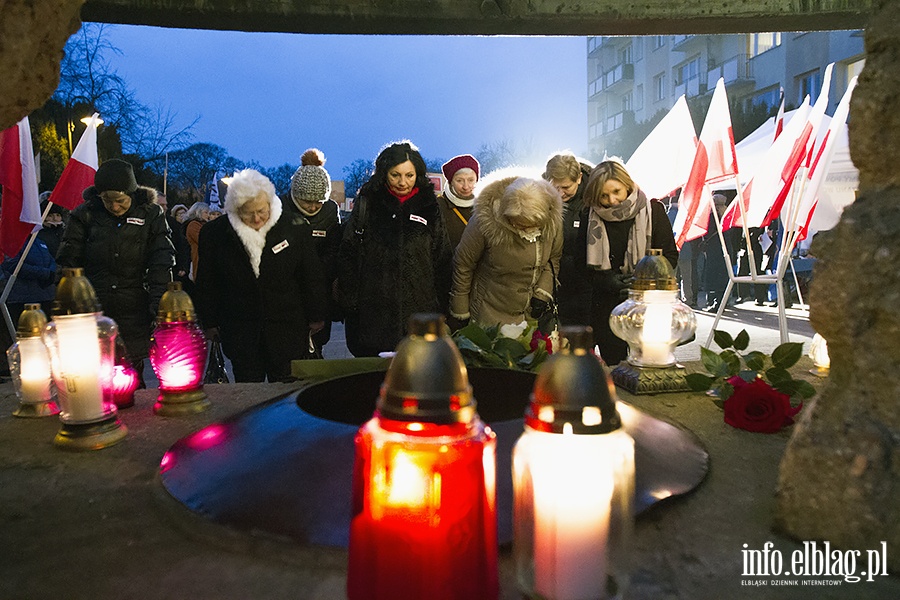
(175, 306)
(31, 322)
(654, 272)
(75, 295)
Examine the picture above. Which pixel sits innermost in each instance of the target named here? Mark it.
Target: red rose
(536, 337)
(757, 406)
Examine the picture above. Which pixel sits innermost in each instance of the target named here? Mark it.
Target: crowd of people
(272, 273)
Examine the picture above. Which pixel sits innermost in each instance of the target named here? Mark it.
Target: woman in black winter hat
(120, 237)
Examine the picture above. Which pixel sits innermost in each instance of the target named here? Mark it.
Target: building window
(770, 97)
(657, 42)
(688, 70)
(627, 101)
(625, 55)
(659, 87)
(639, 97)
(760, 42)
(639, 49)
(808, 85)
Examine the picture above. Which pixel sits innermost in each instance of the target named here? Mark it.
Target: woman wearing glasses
(121, 239)
(260, 285)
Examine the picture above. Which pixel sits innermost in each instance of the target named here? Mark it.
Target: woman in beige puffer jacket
(502, 267)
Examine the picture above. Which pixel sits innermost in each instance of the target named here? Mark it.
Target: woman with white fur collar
(260, 284)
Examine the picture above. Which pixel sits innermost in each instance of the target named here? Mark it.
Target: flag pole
(12, 278)
(166, 174)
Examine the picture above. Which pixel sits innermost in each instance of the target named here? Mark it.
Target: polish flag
(20, 211)
(662, 162)
(801, 151)
(779, 118)
(822, 162)
(762, 188)
(80, 170)
(714, 161)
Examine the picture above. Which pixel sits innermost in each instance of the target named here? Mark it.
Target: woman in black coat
(260, 286)
(395, 257)
(623, 227)
(121, 239)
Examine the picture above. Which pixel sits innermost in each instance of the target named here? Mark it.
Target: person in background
(178, 211)
(569, 176)
(461, 173)
(214, 214)
(502, 270)
(623, 227)
(310, 195)
(120, 237)
(35, 282)
(182, 247)
(260, 286)
(194, 219)
(715, 272)
(54, 225)
(395, 257)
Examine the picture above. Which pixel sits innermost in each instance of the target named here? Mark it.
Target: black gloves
(456, 324)
(622, 284)
(538, 308)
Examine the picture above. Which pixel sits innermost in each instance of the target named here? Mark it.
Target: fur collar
(543, 205)
(141, 195)
(255, 241)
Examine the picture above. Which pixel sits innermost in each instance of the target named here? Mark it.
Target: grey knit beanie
(310, 183)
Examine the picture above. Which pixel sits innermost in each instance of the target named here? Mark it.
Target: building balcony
(619, 120)
(685, 43)
(695, 86)
(621, 73)
(736, 71)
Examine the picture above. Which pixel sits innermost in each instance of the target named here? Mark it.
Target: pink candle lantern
(424, 522)
(178, 355)
(123, 385)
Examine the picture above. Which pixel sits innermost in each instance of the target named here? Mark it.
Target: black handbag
(215, 367)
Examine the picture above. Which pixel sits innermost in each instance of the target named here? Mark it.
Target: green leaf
(755, 360)
(742, 340)
(476, 335)
(776, 375)
(723, 339)
(712, 362)
(724, 391)
(720, 403)
(805, 389)
(791, 387)
(698, 381)
(786, 355)
(510, 348)
(748, 375)
(732, 360)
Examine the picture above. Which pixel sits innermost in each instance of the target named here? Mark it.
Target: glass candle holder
(178, 355)
(424, 514)
(124, 383)
(573, 482)
(29, 366)
(82, 356)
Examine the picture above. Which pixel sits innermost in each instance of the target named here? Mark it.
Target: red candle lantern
(178, 355)
(424, 515)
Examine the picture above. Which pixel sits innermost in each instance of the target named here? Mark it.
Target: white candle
(656, 335)
(572, 485)
(34, 370)
(79, 368)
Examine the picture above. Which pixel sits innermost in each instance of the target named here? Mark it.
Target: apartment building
(631, 79)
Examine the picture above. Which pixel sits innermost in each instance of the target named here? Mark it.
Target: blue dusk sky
(267, 96)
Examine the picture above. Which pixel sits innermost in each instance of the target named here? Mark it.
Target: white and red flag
(80, 170)
(801, 151)
(822, 161)
(779, 118)
(714, 161)
(20, 211)
(662, 163)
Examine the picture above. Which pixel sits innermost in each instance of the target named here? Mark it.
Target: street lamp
(70, 127)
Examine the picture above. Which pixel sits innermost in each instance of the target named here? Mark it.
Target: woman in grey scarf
(623, 226)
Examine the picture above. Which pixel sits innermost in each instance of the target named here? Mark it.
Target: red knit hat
(463, 161)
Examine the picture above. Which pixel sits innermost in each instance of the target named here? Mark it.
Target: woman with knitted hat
(310, 191)
(260, 285)
(120, 237)
(395, 257)
(461, 174)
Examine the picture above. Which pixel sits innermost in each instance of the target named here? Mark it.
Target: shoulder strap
(361, 220)
(459, 214)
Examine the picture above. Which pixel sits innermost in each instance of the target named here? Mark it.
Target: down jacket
(496, 271)
(127, 259)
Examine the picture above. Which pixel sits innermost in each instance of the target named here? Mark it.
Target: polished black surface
(284, 467)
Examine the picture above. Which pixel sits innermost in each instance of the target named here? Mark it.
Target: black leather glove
(456, 324)
(538, 308)
(622, 284)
